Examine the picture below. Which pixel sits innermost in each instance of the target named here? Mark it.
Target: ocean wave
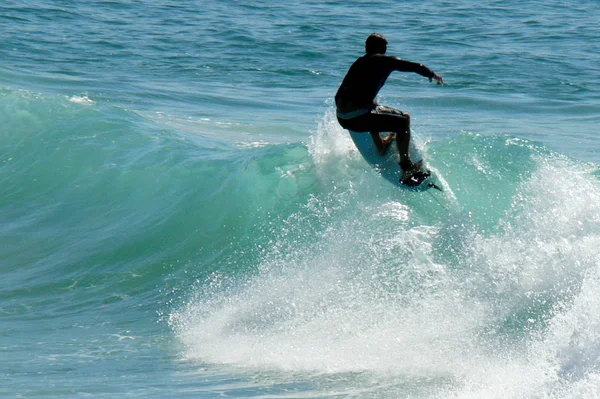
(492, 294)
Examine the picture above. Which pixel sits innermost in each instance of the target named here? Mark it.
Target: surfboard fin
(433, 185)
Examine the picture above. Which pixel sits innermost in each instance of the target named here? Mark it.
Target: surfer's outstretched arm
(408, 66)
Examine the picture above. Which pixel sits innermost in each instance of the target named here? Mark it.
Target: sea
(181, 215)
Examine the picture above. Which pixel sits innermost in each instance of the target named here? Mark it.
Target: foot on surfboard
(413, 174)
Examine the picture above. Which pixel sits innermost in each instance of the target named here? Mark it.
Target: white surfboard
(387, 165)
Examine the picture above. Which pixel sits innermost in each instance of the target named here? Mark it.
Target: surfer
(358, 110)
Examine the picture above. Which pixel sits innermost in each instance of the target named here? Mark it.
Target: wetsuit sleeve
(398, 64)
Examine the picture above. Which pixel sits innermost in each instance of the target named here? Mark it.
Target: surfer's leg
(365, 123)
(387, 119)
(394, 120)
(403, 141)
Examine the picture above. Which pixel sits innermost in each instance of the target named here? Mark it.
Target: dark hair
(376, 44)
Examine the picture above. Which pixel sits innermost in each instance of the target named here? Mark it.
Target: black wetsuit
(357, 108)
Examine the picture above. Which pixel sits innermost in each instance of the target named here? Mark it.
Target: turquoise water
(181, 215)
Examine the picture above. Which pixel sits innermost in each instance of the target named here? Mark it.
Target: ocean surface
(181, 216)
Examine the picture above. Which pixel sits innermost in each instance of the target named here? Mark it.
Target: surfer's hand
(438, 78)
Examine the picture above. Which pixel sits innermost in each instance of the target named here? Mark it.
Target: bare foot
(386, 142)
(389, 138)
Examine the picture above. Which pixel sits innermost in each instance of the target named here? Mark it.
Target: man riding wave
(357, 107)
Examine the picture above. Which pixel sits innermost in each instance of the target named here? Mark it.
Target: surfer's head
(376, 44)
